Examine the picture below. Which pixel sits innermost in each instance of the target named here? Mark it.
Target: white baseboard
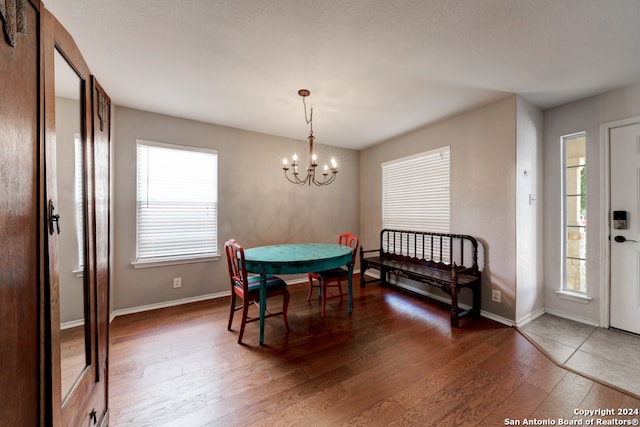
(530, 317)
(71, 324)
(575, 318)
(496, 318)
(165, 304)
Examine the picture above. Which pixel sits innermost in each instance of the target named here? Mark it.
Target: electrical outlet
(496, 296)
(177, 282)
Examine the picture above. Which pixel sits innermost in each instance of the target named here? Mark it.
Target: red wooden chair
(333, 278)
(248, 288)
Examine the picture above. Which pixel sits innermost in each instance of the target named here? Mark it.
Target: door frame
(605, 209)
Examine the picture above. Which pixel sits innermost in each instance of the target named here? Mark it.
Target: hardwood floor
(394, 362)
(72, 356)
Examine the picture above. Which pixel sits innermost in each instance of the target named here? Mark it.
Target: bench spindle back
(443, 249)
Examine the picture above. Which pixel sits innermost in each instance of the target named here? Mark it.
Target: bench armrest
(362, 251)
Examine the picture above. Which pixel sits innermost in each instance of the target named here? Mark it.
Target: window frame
(151, 261)
(565, 226)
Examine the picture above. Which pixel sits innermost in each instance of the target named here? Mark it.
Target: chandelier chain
(310, 119)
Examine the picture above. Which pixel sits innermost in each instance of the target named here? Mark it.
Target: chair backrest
(236, 263)
(351, 240)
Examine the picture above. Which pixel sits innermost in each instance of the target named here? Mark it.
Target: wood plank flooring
(394, 362)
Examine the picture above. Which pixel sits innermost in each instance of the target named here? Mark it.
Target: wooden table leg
(263, 303)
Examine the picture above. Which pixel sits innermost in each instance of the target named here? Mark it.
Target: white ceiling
(376, 69)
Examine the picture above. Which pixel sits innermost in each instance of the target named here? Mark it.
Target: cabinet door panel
(101, 143)
(85, 403)
(20, 282)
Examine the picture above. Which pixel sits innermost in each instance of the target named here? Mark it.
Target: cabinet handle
(93, 415)
(53, 217)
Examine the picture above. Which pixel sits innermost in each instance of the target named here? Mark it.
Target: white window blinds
(79, 197)
(177, 202)
(415, 192)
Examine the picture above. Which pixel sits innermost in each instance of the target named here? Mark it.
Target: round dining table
(295, 258)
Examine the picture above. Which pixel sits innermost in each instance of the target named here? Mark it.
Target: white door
(625, 242)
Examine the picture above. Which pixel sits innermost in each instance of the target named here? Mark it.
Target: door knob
(622, 239)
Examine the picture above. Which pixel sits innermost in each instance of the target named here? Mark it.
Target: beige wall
(483, 188)
(491, 147)
(529, 212)
(257, 205)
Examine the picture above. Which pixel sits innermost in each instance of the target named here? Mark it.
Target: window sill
(173, 261)
(574, 296)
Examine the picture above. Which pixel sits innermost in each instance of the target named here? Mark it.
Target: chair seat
(247, 288)
(273, 283)
(331, 274)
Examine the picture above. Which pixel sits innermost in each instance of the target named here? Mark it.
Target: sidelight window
(574, 149)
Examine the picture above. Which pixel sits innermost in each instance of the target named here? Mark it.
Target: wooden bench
(436, 259)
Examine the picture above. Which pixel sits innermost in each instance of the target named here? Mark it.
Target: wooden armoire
(55, 132)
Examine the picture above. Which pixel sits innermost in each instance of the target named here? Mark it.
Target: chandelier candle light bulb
(311, 169)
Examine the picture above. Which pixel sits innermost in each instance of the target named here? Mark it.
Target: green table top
(296, 257)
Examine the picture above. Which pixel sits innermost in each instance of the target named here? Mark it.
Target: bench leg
(455, 318)
(363, 280)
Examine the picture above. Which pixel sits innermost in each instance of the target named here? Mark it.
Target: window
(574, 197)
(177, 203)
(415, 193)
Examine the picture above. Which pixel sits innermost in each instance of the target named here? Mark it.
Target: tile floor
(607, 355)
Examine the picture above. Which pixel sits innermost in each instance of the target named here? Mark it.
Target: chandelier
(328, 173)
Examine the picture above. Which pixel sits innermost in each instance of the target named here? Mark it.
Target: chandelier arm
(296, 179)
(327, 179)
